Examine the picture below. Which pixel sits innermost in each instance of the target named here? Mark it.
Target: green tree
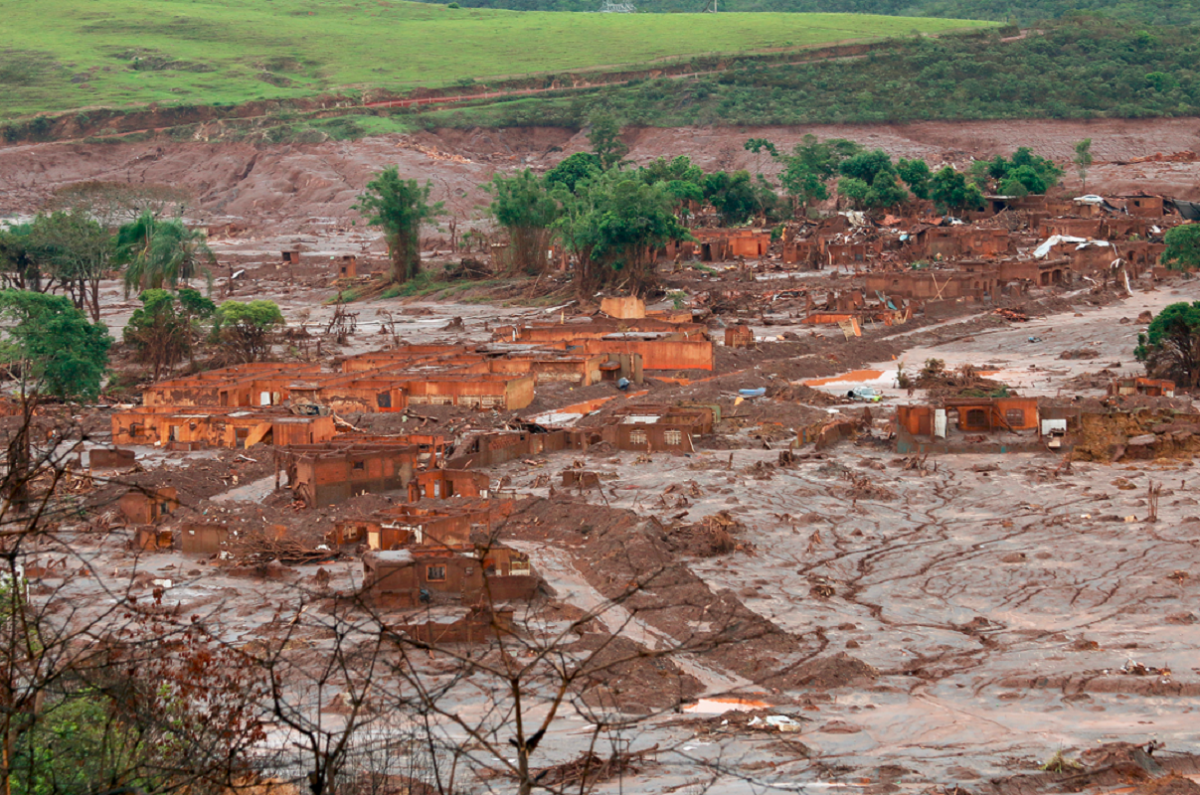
(78, 252)
(679, 169)
(758, 146)
(866, 166)
(1083, 159)
(579, 167)
(1024, 174)
(1170, 348)
(399, 206)
(165, 329)
(823, 157)
(916, 175)
(854, 191)
(160, 254)
(1026, 177)
(733, 196)
(245, 328)
(811, 164)
(604, 134)
(522, 204)
(684, 194)
(56, 353)
(22, 258)
(951, 193)
(614, 228)
(885, 192)
(1183, 247)
(52, 345)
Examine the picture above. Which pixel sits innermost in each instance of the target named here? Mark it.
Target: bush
(1183, 247)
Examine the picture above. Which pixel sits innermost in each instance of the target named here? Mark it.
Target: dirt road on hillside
(311, 187)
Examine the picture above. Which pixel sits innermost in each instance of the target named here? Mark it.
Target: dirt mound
(629, 559)
(963, 382)
(711, 536)
(617, 672)
(1097, 380)
(800, 393)
(1171, 784)
(840, 670)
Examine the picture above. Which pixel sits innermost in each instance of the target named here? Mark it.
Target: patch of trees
(612, 217)
(1024, 174)
(1182, 252)
(1079, 67)
(96, 231)
(1170, 348)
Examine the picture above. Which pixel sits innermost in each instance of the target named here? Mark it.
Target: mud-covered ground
(952, 621)
(926, 624)
(311, 187)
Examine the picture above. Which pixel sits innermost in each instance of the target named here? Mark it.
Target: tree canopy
(575, 169)
(605, 137)
(522, 204)
(1170, 348)
(164, 330)
(54, 347)
(399, 206)
(245, 328)
(1183, 247)
(951, 192)
(615, 227)
(159, 254)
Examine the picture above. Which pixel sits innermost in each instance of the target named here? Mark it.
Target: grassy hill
(68, 54)
(1152, 12)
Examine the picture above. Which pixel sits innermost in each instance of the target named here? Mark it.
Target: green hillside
(1079, 68)
(1152, 12)
(68, 54)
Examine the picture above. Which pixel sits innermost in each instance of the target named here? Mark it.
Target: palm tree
(160, 254)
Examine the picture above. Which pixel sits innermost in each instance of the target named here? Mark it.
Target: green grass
(62, 55)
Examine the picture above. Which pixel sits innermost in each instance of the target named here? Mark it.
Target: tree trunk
(405, 251)
(16, 484)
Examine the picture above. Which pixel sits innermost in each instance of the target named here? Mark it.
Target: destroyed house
(411, 525)
(1142, 205)
(147, 506)
(948, 242)
(461, 377)
(491, 449)
(1152, 387)
(480, 623)
(442, 484)
(933, 285)
(1009, 424)
(431, 448)
(325, 474)
(720, 245)
(651, 428)
(192, 429)
(835, 252)
(661, 345)
(412, 577)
